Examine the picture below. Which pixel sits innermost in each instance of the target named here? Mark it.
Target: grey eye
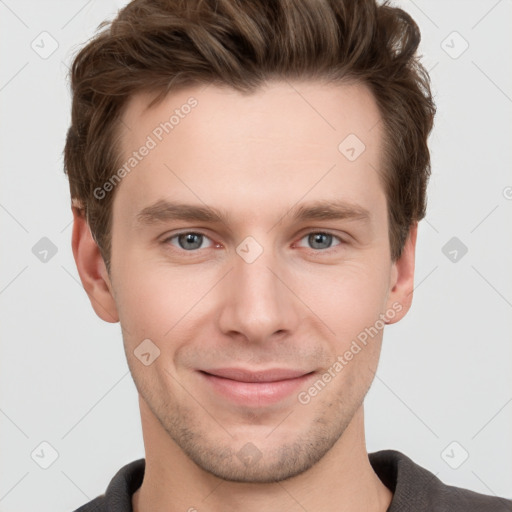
(320, 240)
(190, 241)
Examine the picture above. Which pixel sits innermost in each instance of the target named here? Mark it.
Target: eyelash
(318, 251)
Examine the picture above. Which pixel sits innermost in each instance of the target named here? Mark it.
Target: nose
(258, 303)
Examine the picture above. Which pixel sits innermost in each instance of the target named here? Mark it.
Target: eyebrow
(165, 211)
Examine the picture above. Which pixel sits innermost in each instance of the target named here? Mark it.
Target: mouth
(255, 388)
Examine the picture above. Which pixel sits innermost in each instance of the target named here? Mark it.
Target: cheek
(347, 298)
(152, 299)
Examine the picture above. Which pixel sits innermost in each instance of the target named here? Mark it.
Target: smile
(255, 388)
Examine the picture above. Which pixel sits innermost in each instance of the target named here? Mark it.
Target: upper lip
(269, 375)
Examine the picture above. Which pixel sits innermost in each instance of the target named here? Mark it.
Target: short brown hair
(162, 45)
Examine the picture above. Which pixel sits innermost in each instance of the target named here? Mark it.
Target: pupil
(188, 241)
(317, 239)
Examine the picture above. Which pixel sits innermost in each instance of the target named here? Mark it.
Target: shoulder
(416, 488)
(118, 496)
(96, 505)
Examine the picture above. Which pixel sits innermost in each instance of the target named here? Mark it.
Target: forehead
(333, 107)
(284, 141)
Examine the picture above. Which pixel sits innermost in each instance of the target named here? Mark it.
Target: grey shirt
(414, 489)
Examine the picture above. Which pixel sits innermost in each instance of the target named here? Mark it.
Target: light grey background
(446, 370)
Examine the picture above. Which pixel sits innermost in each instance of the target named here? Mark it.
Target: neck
(343, 480)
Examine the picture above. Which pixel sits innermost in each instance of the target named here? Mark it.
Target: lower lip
(255, 393)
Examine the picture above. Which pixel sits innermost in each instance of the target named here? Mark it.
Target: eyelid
(169, 237)
(166, 239)
(342, 241)
(325, 232)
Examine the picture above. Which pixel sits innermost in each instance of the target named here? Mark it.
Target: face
(251, 270)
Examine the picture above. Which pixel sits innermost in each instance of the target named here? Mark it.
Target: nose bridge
(257, 303)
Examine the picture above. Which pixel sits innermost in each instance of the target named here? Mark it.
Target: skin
(298, 305)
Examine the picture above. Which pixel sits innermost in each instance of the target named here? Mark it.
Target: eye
(320, 240)
(188, 241)
(192, 240)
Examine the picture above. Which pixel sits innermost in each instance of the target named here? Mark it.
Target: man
(247, 179)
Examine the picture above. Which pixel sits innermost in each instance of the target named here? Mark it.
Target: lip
(255, 388)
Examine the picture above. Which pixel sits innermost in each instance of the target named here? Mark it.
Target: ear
(92, 270)
(402, 279)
